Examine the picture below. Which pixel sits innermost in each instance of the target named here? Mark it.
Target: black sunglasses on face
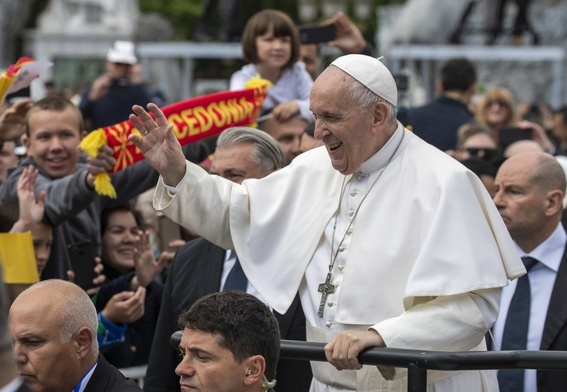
(484, 153)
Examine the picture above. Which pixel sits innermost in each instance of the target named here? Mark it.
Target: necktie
(236, 280)
(515, 334)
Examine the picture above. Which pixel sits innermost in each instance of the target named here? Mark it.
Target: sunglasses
(483, 153)
(498, 102)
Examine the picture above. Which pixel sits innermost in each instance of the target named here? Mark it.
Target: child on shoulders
(271, 45)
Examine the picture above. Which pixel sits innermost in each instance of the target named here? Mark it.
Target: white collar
(549, 252)
(381, 158)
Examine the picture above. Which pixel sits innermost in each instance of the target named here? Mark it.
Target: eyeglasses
(498, 102)
(483, 153)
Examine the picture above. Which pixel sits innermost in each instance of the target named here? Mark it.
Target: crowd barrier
(416, 361)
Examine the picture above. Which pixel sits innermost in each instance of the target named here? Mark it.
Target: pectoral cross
(326, 289)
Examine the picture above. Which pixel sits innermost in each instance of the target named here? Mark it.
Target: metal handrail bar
(436, 360)
(419, 361)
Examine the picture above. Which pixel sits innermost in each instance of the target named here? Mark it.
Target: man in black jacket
(530, 188)
(438, 121)
(230, 343)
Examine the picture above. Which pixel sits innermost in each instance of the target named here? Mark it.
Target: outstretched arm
(158, 143)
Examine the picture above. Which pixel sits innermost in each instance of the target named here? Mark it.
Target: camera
(120, 82)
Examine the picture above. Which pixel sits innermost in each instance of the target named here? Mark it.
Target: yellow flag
(17, 258)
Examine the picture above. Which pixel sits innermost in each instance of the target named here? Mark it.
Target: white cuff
(171, 190)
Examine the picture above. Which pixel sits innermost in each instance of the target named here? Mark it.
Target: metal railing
(418, 361)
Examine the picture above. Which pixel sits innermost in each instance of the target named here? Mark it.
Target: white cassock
(422, 263)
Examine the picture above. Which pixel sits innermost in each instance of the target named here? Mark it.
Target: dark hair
(10, 213)
(458, 74)
(245, 326)
(105, 216)
(55, 103)
(259, 24)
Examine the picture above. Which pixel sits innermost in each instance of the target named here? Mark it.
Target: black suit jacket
(107, 378)
(195, 272)
(438, 121)
(555, 331)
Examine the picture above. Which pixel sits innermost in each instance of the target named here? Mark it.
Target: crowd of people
(337, 220)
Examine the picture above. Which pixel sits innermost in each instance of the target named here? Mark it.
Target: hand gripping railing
(418, 361)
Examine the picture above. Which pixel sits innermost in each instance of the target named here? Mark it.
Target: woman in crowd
(498, 111)
(133, 286)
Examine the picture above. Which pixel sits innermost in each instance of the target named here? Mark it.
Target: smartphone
(509, 135)
(168, 231)
(82, 257)
(314, 34)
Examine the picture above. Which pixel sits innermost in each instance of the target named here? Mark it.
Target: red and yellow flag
(193, 119)
(20, 75)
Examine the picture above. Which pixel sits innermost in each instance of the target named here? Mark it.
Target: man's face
(119, 241)
(234, 163)
(288, 134)
(206, 366)
(344, 129)
(8, 159)
(53, 141)
(309, 55)
(118, 70)
(44, 361)
(519, 201)
(42, 236)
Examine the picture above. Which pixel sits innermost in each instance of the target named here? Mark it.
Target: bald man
(529, 194)
(522, 146)
(53, 326)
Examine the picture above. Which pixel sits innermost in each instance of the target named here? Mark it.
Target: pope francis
(389, 241)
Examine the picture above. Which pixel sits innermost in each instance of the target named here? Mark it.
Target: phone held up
(82, 257)
(508, 135)
(314, 34)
